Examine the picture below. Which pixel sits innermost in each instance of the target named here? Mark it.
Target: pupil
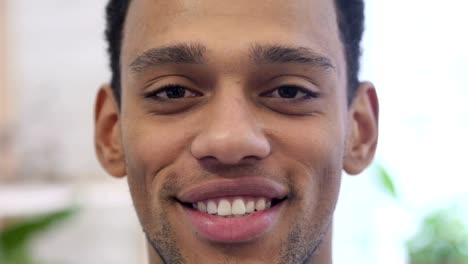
(175, 92)
(288, 91)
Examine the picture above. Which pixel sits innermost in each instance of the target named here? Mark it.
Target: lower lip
(233, 229)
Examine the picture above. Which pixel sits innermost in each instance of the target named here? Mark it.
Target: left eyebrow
(182, 53)
(279, 54)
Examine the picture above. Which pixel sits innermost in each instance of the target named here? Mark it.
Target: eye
(293, 92)
(172, 92)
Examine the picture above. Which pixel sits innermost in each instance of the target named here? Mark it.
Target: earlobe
(107, 133)
(362, 129)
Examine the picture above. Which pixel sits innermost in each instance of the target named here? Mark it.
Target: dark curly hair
(350, 15)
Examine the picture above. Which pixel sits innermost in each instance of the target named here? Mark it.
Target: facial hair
(300, 246)
(304, 236)
(163, 243)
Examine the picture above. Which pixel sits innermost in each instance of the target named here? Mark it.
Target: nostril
(225, 157)
(208, 161)
(251, 158)
(213, 163)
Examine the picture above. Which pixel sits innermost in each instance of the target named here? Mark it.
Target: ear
(107, 135)
(362, 129)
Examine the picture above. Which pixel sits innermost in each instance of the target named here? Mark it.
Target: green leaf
(17, 236)
(441, 238)
(386, 181)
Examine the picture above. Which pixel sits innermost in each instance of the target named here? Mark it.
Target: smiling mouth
(233, 210)
(234, 206)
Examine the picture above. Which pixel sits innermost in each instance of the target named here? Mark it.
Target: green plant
(15, 239)
(441, 239)
(386, 181)
(443, 235)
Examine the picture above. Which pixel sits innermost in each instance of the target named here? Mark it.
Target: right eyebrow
(182, 53)
(279, 54)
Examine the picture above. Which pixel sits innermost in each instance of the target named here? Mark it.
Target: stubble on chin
(302, 244)
(298, 248)
(304, 238)
(310, 231)
(164, 244)
(303, 241)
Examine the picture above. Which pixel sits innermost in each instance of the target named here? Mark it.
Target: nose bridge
(230, 113)
(230, 132)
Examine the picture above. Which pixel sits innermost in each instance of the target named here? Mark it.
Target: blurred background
(58, 206)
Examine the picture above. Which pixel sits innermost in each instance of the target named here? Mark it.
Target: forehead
(232, 25)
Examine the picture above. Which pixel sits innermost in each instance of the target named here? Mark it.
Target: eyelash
(154, 94)
(308, 94)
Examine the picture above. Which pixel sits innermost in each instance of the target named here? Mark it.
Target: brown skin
(230, 128)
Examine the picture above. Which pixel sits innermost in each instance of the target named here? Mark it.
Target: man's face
(234, 127)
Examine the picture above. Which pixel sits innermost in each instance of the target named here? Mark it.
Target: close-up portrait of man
(233, 121)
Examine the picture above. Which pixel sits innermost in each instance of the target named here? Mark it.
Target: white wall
(59, 62)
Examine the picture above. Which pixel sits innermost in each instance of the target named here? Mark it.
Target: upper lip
(243, 186)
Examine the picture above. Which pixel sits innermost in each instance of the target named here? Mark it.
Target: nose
(230, 135)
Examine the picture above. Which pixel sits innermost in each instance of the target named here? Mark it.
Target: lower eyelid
(196, 94)
(313, 94)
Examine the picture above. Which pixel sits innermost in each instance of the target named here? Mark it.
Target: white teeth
(250, 207)
(211, 207)
(224, 208)
(238, 207)
(201, 207)
(260, 205)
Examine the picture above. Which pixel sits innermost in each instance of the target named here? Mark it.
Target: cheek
(315, 150)
(150, 148)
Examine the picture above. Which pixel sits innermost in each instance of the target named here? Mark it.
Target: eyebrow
(193, 53)
(279, 54)
(183, 53)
